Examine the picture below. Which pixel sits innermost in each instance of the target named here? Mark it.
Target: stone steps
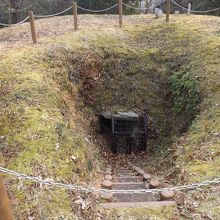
(127, 179)
(134, 197)
(116, 205)
(128, 185)
(124, 174)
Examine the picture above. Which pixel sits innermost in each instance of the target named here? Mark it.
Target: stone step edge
(127, 177)
(127, 183)
(115, 205)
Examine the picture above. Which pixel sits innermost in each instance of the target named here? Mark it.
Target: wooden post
(189, 9)
(167, 10)
(75, 15)
(33, 29)
(120, 8)
(5, 207)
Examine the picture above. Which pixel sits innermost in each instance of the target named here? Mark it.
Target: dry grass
(18, 36)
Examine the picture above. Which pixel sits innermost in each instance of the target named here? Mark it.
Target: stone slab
(115, 205)
(128, 185)
(134, 197)
(127, 179)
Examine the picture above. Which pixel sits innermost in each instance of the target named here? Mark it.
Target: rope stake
(167, 10)
(75, 15)
(33, 29)
(120, 9)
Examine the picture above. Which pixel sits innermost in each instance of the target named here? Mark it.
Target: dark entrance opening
(128, 131)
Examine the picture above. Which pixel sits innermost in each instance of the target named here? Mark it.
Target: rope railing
(10, 25)
(151, 7)
(97, 11)
(194, 11)
(52, 15)
(120, 5)
(88, 189)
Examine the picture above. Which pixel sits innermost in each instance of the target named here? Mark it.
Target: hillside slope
(51, 91)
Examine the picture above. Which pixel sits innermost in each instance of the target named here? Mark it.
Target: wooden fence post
(5, 207)
(167, 10)
(75, 15)
(120, 8)
(33, 29)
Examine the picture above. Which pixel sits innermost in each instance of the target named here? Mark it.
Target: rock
(158, 12)
(107, 197)
(107, 184)
(147, 176)
(154, 183)
(141, 172)
(108, 177)
(168, 195)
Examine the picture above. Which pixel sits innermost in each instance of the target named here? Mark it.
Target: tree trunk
(14, 13)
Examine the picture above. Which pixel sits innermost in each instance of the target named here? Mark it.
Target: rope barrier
(97, 11)
(50, 182)
(52, 15)
(129, 6)
(194, 11)
(10, 25)
(107, 9)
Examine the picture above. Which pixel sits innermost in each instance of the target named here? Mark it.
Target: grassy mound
(51, 91)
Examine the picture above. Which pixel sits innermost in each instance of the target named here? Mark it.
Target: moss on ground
(135, 68)
(142, 213)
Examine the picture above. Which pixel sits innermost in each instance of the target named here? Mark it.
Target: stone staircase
(131, 179)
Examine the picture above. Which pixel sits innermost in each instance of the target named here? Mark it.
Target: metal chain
(129, 6)
(206, 11)
(50, 182)
(52, 15)
(10, 25)
(97, 11)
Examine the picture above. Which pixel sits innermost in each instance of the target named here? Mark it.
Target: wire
(10, 25)
(97, 11)
(206, 11)
(129, 6)
(52, 15)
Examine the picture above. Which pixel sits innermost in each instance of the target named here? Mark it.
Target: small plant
(186, 94)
